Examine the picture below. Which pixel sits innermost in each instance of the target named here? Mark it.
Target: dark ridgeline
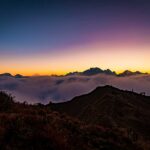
(105, 119)
(130, 73)
(96, 70)
(10, 75)
(93, 71)
(110, 106)
(113, 108)
(88, 72)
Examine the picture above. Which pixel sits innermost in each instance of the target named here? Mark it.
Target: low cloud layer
(58, 89)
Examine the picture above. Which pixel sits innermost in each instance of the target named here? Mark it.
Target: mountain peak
(110, 107)
(105, 88)
(130, 73)
(96, 70)
(6, 74)
(93, 71)
(18, 76)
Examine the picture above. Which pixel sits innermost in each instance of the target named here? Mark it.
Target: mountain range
(130, 73)
(88, 72)
(96, 70)
(10, 75)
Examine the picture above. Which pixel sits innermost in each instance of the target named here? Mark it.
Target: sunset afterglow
(74, 36)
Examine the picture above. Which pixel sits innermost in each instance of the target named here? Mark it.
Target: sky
(43, 37)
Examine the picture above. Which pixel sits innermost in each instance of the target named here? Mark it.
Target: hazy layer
(57, 89)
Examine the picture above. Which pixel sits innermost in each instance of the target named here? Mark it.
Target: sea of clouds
(43, 89)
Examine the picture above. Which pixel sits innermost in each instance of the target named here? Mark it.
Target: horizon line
(65, 73)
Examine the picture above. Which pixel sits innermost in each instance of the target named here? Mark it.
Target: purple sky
(41, 36)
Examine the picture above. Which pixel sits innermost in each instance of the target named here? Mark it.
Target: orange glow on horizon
(117, 57)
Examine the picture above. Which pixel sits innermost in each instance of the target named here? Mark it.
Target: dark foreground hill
(113, 108)
(37, 127)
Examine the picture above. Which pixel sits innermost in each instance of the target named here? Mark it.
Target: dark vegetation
(112, 108)
(41, 127)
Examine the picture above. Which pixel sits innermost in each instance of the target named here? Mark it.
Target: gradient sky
(55, 37)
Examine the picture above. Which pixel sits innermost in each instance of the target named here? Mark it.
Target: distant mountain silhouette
(96, 70)
(93, 71)
(88, 72)
(19, 76)
(130, 73)
(10, 75)
(111, 107)
(6, 75)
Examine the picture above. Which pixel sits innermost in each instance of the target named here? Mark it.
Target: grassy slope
(37, 127)
(113, 108)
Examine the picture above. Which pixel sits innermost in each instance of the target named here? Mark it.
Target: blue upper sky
(31, 24)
